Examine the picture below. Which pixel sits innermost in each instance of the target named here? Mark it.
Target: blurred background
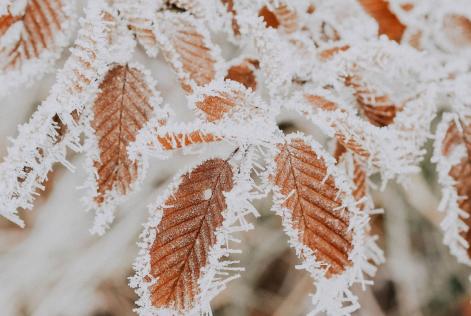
(56, 267)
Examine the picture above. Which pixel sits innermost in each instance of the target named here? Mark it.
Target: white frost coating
(34, 68)
(38, 145)
(249, 122)
(395, 149)
(335, 23)
(105, 210)
(140, 15)
(453, 224)
(274, 51)
(333, 295)
(219, 269)
(167, 25)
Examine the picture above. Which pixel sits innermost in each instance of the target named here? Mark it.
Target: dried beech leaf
(313, 200)
(187, 233)
(36, 32)
(377, 109)
(244, 73)
(180, 140)
(388, 23)
(186, 44)
(453, 154)
(120, 110)
(281, 16)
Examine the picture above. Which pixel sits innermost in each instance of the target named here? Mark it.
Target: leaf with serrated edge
(388, 23)
(31, 40)
(186, 45)
(125, 104)
(74, 88)
(319, 215)
(183, 260)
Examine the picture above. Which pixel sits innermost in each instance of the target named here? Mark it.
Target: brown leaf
(461, 173)
(388, 23)
(329, 53)
(41, 22)
(451, 139)
(190, 44)
(244, 73)
(282, 16)
(360, 185)
(217, 104)
(175, 141)
(187, 232)
(121, 110)
(378, 109)
(321, 102)
(312, 198)
(352, 145)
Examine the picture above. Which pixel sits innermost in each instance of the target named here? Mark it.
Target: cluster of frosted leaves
(32, 36)
(374, 96)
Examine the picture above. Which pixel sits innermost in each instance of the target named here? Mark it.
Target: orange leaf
(282, 16)
(41, 22)
(244, 73)
(379, 110)
(121, 110)
(175, 141)
(388, 23)
(312, 199)
(188, 48)
(186, 234)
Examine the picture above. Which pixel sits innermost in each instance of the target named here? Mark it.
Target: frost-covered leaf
(388, 23)
(140, 15)
(120, 111)
(313, 200)
(179, 140)
(75, 87)
(378, 109)
(453, 156)
(325, 227)
(280, 16)
(187, 46)
(31, 39)
(244, 73)
(185, 245)
(186, 234)
(230, 9)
